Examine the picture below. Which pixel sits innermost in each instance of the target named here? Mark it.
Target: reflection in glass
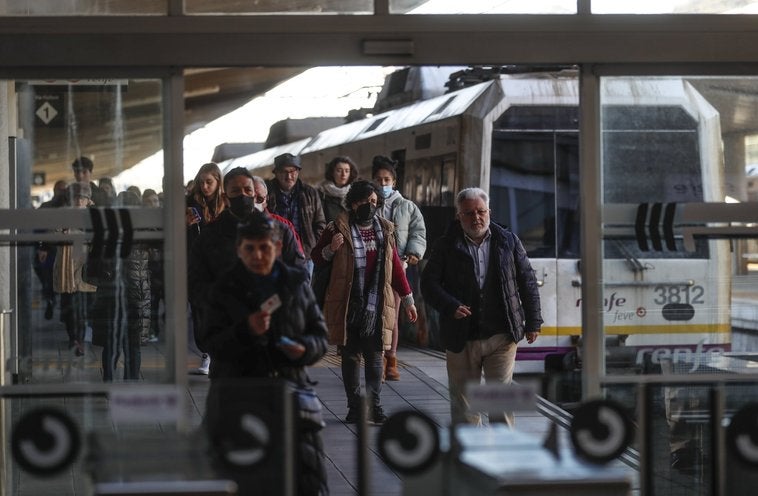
(483, 7)
(674, 7)
(279, 7)
(676, 143)
(90, 312)
(83, 7)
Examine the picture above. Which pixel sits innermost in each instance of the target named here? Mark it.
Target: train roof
(264, 157)
(434, 109)
(474, 99)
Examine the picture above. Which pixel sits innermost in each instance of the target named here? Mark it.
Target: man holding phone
(248, 336)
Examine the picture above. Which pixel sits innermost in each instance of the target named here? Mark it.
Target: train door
(534, 191)
(82, 255)
(430, 183)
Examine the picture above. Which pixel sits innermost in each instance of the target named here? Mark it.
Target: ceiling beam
(197, 41)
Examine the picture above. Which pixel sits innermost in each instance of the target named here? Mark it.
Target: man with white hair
(481, 282)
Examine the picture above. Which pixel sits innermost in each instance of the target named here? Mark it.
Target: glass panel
(279, 7)
(674, 7)
(673, 146)
(483, 7)
(87, 291)
(62, 445)
(681, 451)
(523, 127)
(83, 7)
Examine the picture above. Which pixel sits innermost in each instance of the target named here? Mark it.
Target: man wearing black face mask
(214, 250)
(359, 305)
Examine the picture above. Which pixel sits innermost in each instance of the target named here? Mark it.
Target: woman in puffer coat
(410, 235)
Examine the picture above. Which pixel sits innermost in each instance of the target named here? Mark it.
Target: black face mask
(241, 205)
(365, 212)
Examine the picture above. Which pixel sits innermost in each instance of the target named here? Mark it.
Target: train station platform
(422, 387)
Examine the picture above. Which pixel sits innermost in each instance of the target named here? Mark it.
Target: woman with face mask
(359, 305)
(410, 234)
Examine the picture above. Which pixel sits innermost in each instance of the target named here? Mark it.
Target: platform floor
(423, 387)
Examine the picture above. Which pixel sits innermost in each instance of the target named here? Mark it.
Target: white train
(516, 136)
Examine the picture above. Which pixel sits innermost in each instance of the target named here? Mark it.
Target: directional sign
(48, 109)
(600, 431)
(409, 442)
(742, 434)
(45, 441)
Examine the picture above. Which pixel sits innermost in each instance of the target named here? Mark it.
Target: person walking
(247, 340)
(213, 252)
(297, 202)
(68, 277)
(479, 278)
(359, 306)
(339, 174)
(205, 202)
(44, 259)
(410, 235)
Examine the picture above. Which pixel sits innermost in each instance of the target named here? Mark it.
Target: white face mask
(387, 191)
(258, 206)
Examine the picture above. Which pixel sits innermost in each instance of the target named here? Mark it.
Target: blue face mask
(387, 191)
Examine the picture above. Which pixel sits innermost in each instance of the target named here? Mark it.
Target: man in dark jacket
(481, 282)
(247, 337)
(297, 202)
(214, 252)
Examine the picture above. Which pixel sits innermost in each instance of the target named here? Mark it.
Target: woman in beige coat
(359, 306)
(68, 280)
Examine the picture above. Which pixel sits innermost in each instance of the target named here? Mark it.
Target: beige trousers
(495, 357)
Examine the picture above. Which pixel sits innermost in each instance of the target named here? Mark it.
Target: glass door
(82, 257)
(679, 234)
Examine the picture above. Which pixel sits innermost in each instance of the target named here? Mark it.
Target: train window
(534, 182)
(375, 124)
(430, 183)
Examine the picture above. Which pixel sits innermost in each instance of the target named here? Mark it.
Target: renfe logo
(680, 355)
(609, 302)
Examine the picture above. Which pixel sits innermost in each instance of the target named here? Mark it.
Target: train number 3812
(691, 295)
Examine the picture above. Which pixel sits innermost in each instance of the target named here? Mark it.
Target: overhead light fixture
(203, 91)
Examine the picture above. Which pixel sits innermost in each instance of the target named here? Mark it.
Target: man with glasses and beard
(481, 282)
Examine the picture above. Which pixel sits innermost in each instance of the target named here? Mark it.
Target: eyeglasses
(473, 213)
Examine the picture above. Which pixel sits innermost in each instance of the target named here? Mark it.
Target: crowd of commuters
(116, 300)
(340, 257)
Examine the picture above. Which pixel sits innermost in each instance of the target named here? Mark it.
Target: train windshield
(650, 153)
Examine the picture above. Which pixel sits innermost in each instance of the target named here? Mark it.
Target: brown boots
(390, 368)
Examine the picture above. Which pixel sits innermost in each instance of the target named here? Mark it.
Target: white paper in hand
(269, 306)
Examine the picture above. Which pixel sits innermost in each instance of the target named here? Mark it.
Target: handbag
(310, 410)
